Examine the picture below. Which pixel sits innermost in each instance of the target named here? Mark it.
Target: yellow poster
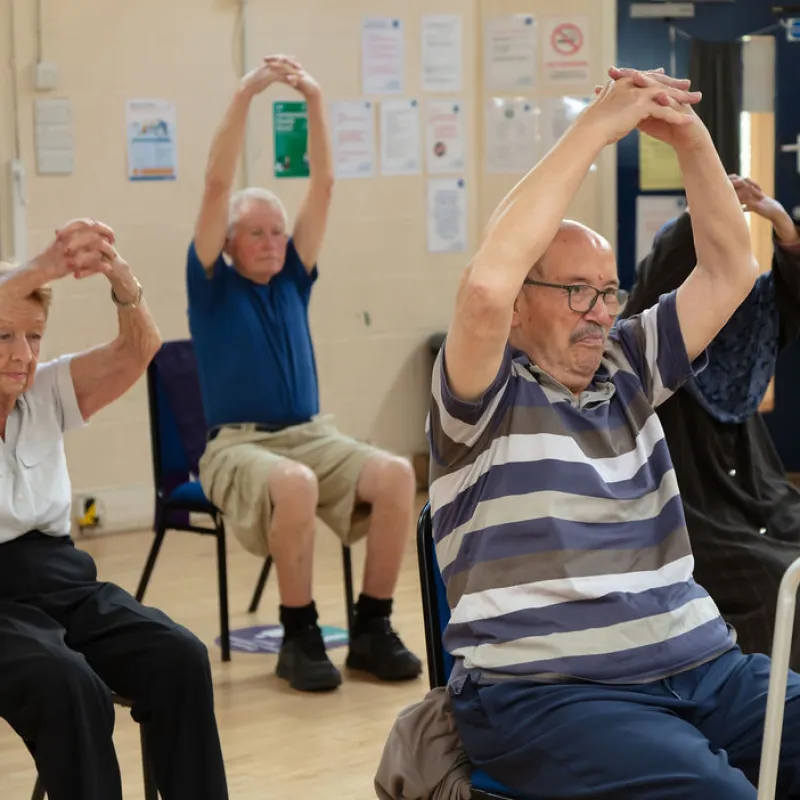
(658, 166)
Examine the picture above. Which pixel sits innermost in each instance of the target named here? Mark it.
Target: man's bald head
(573, 243)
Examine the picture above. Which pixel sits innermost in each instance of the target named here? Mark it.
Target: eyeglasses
(582, 298)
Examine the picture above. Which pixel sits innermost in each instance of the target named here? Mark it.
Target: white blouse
(35, 489)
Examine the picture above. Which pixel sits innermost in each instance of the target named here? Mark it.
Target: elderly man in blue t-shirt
(588, 661)
(272, 463)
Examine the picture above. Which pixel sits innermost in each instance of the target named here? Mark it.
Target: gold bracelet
(131, 303)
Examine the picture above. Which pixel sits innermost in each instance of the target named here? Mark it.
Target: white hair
(253, 194)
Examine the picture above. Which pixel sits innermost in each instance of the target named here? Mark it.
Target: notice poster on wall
(445, 135)
(510, 135)
(290, 132)
(565, 49)
(557, 114)
(401, 148)
(353, 138)
(510, 52)
(383, 59)
(659, 169)
(447, 215)
(152, 147)
(441, 53)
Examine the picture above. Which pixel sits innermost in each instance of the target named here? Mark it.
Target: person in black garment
(742, 512)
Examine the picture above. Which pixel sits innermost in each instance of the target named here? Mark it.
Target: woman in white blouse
(68, 640)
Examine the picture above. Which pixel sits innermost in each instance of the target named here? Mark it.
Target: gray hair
(250, 195)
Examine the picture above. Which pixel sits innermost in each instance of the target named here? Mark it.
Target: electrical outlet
(46, 76)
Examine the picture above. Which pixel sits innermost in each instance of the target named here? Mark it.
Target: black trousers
(67, 641)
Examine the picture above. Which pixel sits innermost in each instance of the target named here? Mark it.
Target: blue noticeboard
(793, 29)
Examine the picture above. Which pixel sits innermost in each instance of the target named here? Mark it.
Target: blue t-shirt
(254, 352)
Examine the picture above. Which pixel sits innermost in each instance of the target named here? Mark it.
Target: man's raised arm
(726, 268)
(527, 220)
(212, 222)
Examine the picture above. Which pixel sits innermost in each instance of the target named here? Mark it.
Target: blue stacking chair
(178, 439)
(440, 663)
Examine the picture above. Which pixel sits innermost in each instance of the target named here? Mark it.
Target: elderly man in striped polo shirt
(588, 661)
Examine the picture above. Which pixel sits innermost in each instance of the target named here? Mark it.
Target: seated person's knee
(294, 489)
(391, 478)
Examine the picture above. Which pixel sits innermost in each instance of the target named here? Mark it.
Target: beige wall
(374, 266)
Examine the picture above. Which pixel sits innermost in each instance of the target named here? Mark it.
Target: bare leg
(294, 494)
(388, 484)
(303, 661)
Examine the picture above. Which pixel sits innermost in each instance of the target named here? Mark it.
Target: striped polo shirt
(558, 524)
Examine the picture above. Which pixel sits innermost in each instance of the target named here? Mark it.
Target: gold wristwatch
(131, 303)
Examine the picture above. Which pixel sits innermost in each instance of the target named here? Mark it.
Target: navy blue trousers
(696, 735)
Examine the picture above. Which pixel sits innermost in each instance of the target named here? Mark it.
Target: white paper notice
(511, 144)
(441, 53)
(447, 215)
(445, 135)
(510, 52)
(565, 49)
(400, 138)
(652, 213)
(353, 138)
(383, 61)
(557, 114)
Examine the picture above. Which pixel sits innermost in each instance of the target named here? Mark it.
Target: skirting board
(119, 508)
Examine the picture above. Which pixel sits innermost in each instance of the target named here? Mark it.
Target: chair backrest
(177, 420)
(434, 602)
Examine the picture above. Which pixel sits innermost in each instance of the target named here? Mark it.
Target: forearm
(786, 231)
(23, 281)
(138, 337)
(228, 141)
(527, 219)
(721, 234)
(320, 156)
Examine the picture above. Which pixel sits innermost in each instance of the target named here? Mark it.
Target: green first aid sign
(290, 126)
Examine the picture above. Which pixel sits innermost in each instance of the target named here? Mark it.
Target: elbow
(152, 345)
(484, 300)
(323, 185)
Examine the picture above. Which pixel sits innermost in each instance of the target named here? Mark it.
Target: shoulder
(51, 397)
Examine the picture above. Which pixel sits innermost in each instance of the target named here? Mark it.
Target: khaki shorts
(236, 465)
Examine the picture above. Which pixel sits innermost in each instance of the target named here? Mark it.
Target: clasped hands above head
(81, 248)
(650, 101)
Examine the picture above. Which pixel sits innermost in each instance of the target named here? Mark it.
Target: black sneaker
(304, 662)
(379, 650)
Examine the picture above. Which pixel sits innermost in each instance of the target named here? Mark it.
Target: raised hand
(81, 248)
(690, 131)
(271, 70)
(634, 101)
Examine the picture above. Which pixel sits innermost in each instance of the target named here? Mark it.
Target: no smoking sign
(567, 39)
(565, 42)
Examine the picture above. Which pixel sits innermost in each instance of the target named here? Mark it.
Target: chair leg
(148, 770)
(38, 789)
(348, 588)
(260, 584)
(222, 578)
(150, 563)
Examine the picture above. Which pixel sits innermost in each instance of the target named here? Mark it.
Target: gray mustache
(589, 330)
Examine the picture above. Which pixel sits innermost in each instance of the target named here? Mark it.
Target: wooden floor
(277, 743)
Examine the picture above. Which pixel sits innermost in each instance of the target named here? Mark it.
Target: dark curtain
(715, 69)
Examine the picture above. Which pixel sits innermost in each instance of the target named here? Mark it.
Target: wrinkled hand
(686, 135)
(633, 99)
(271, 70)
(752, 198)
(82, 247)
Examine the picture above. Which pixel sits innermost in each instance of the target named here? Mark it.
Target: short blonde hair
(43, 295)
